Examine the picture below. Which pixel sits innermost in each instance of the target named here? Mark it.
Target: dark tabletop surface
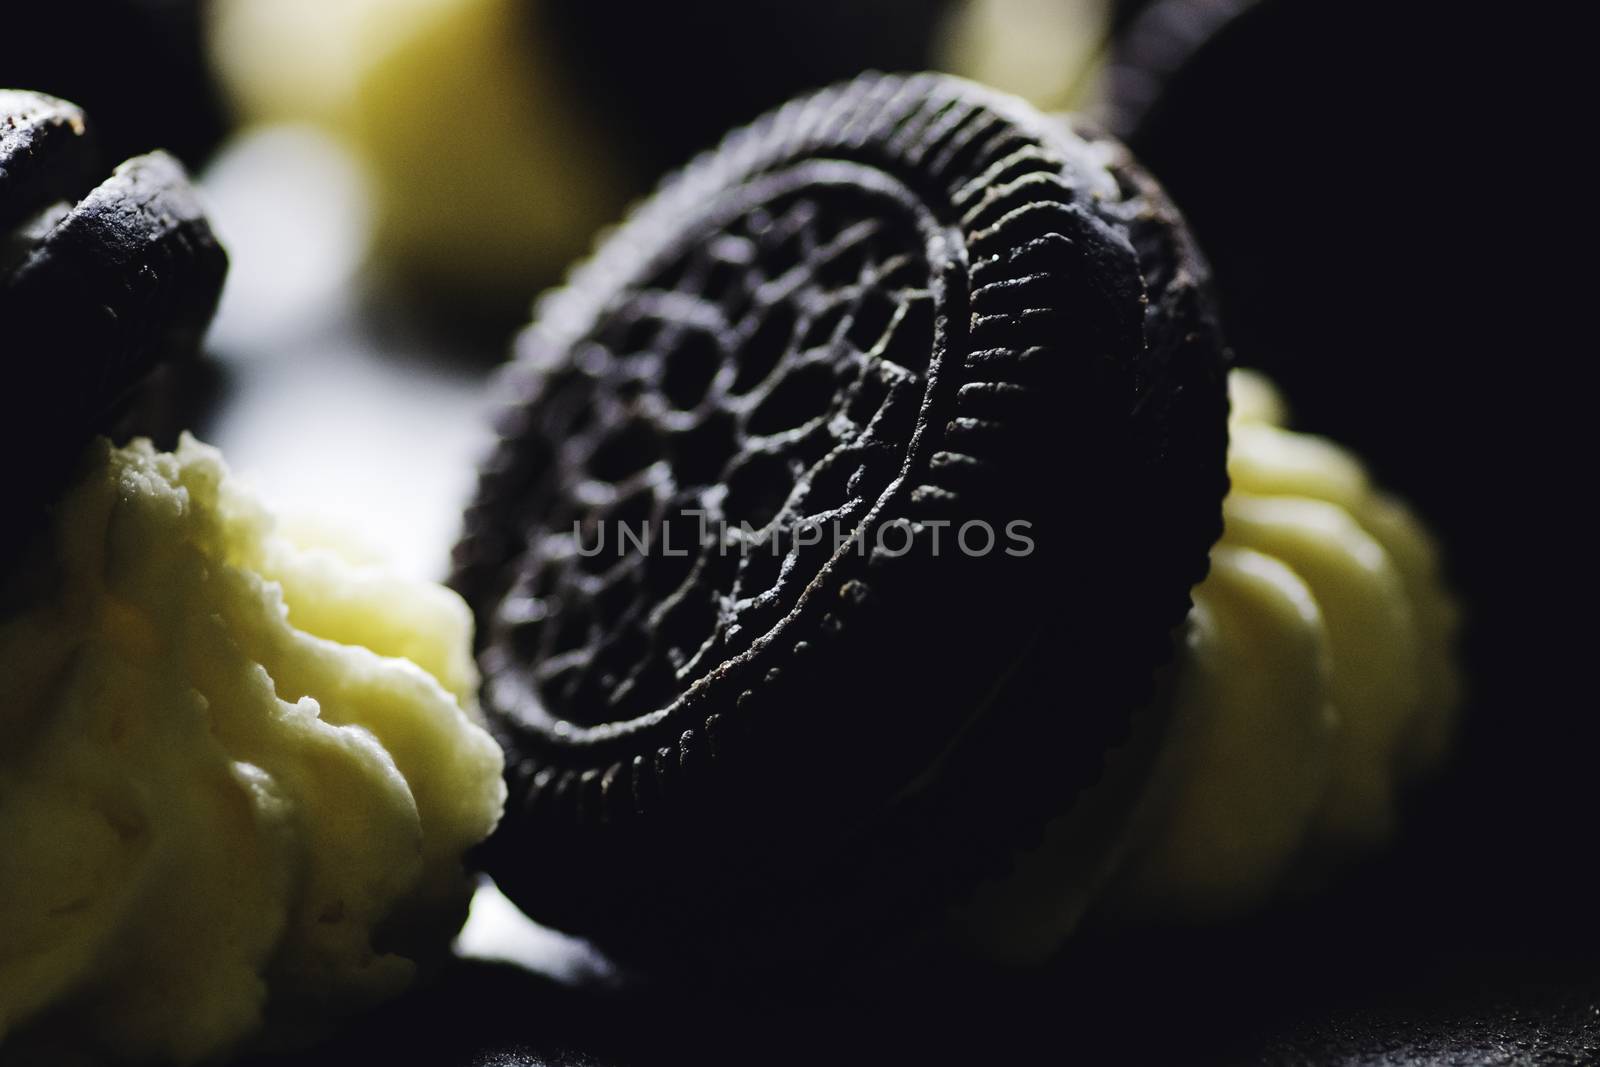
(1279, 992)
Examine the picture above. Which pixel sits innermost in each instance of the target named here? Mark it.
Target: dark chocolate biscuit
(1162, 38)
(99, 283)
(842, 507)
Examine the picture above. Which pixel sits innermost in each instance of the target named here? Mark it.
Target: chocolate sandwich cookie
(102, 278)
(841, 510)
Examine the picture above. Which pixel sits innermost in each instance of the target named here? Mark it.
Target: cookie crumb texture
(237, 776)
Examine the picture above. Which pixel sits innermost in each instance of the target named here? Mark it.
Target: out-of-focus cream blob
(1259, 796)
(237, 776)
(1251, 748)
(489, 176)
(1045, 51)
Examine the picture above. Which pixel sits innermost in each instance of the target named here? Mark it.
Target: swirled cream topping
(237, 775)
(1316, 676)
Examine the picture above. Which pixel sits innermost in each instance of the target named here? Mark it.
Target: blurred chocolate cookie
(1328, 274)
(1371, 183)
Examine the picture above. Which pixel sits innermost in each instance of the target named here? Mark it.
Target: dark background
(1378, 187)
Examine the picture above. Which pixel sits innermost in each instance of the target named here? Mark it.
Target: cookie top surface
(812, 454)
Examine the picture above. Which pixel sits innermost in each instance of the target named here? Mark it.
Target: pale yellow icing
(1316, 675)
(237, 776)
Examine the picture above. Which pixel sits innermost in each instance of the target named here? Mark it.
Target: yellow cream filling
(237, 775)
(1316, 675)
